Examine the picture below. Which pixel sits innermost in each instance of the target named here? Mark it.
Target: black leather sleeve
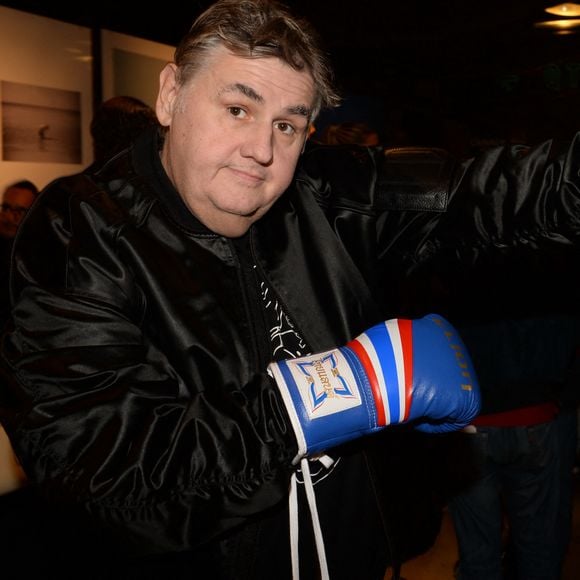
(505, 198)
(408, 212)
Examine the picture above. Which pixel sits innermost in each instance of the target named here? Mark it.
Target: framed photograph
(131, 65)
(40, 124)
(45, 98)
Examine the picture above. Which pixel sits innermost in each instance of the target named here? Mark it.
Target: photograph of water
(40, 124)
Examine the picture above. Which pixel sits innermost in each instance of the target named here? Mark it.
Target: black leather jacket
(134, 370)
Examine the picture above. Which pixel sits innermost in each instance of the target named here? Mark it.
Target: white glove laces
(293, 510)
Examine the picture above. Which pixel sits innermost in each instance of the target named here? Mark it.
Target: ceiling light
(559, 24)
(568, 9)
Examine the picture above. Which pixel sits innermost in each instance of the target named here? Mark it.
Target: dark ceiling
(471, 61)
(417, 34)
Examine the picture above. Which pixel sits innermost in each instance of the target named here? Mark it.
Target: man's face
(236, 130)
(15, 203)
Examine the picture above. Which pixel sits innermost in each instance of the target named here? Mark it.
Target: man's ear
(167, 94)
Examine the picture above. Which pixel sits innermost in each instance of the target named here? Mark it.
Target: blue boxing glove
(395, 372)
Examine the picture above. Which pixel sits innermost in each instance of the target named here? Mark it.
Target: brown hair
(24, 184)
(349, 133)
(258, 29)
(116, 122)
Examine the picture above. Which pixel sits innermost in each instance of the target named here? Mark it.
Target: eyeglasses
(17, 210)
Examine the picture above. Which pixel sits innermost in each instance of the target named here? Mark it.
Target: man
(159, 280)
(16, 201)
(212, 319)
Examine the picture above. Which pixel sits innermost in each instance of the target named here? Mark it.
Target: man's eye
(236, 111)
(286, 128)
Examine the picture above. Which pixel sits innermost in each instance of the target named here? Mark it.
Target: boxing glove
(396, 372)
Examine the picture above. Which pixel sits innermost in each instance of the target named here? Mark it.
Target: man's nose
(259, 144)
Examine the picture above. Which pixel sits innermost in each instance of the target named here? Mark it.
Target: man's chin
(233, 230)
(232, 226)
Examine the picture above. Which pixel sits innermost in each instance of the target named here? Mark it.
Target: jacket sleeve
(425, 204)
(403, 213)
(99, 416)
(432, 207)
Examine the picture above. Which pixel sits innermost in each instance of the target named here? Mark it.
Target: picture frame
(131, 65)
(45, 98)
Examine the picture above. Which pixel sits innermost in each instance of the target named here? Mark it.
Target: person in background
(116, 123)
(349, 133)
(514, 520)
(512, 501)
(210, 368)
(16, 201)
(29, 525)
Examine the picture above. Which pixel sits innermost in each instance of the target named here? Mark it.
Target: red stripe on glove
(406, 334)
(362, 355)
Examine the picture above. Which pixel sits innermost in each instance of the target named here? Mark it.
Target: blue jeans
(521, 478)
